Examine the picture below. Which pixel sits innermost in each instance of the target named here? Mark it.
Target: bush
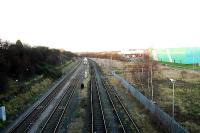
(19, 61)
(17, 103)
(183, 74)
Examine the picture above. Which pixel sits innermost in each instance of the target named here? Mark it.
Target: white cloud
(101, 25)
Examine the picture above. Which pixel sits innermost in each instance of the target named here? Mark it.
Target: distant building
(177, 55)
(133, 54)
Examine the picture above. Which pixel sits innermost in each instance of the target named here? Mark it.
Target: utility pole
(173, 82)
(193, 58)
(111, 62)
(152, 81)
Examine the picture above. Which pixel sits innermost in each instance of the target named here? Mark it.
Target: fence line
(155, 110)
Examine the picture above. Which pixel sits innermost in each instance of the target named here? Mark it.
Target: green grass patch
(178, 65)
(68, 65)
(187, 105)
(18, 102)
(2, 123)
(64, 65)
(16, 87)
(21, 94)
(192, 127)
(117, 70)
(188, 102)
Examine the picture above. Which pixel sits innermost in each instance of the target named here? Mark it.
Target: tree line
(106, 55)
(19, 61)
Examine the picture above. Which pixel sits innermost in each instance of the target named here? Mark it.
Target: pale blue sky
(91, 25)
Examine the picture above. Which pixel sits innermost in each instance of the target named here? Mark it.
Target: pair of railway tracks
(55, 118)
(98, 123)
(25, 124)
(127, 124)
(124, 120)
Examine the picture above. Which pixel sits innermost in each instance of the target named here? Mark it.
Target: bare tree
(142, 74)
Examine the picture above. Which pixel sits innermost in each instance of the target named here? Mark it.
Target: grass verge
(183, 66)
(20, 95)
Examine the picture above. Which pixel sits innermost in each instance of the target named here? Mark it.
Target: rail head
(100, 100)
(91, 104)
(115, 110)
(67, 104)
(123, 106)
(57, 105)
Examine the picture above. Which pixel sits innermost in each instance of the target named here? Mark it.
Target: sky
(101, 25)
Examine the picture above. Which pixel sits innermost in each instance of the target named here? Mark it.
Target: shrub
(183, 74)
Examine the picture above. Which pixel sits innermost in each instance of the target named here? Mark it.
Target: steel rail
(91, 108)
(100, 104)
(123, 106)
(71, 90)
(115, 110)
(99, 97)
(59, 121)
(53, 92)
(105, 83)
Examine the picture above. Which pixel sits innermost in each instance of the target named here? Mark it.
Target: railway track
(30, 118)
(126, 121)
(123, 118)
(55, 118)
(98, 123)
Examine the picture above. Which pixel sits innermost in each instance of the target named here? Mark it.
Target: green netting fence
(179, 55)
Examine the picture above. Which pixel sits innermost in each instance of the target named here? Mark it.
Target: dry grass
(187, 93)
(185, 75)
(187, 96)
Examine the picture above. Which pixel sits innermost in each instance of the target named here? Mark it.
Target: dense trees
(19, 61)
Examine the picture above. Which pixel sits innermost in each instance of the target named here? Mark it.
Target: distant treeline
(106, 55)
(19, 61)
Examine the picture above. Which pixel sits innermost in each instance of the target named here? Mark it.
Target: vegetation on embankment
(20, 62)
(187, 92)
(20, 100)
(26, 73)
